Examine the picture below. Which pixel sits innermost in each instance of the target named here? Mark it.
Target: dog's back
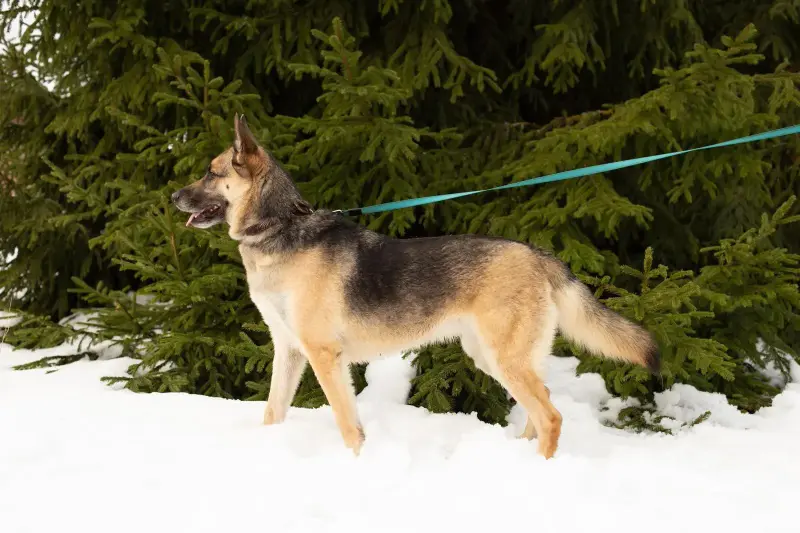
(411, 291)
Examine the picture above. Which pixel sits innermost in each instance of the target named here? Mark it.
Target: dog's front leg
(333, 375)
(287, 369)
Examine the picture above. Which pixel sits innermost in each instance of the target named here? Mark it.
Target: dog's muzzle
(204, 213)
(176, 196)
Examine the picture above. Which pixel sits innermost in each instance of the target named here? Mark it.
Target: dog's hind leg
(544, 420)
(287, 369)
(530, 432)
(480, 356)
(471, 346)
(333, 375)
(539, 353)
(510, 343)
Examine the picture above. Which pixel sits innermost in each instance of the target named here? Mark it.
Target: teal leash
(566, 175)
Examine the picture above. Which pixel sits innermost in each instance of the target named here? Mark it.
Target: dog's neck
(277, 195)
(276, 206)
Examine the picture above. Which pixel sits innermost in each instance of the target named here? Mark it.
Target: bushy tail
(587, 322)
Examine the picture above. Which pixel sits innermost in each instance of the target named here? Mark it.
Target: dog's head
(232, 185)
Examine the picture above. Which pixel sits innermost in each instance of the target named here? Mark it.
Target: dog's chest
(273, 306)
(268, 289)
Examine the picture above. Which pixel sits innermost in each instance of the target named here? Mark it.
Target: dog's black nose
(176, 196)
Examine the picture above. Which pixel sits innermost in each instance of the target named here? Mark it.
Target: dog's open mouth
(207, 215)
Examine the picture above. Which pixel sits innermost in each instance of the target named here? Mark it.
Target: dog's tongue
(191, 218)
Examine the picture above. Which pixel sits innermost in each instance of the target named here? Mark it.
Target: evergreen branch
(337, 26)
(172, 244)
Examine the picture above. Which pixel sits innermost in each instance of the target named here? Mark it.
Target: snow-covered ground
(77, 455)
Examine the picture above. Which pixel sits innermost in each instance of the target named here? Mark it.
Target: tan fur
(507, 309)
(506, 316)
(506, 312)
(599, 332)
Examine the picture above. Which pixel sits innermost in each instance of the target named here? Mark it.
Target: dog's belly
(360, 345)
(363, 346)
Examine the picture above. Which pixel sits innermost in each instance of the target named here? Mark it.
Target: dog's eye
(210, 174)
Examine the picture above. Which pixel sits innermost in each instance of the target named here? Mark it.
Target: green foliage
(109, 107)
(709, 323)
(639, 419)
(34, 331)
(446, 380)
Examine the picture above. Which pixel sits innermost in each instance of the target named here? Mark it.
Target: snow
(77, 455)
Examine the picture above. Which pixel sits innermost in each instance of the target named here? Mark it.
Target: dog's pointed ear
(244, 142)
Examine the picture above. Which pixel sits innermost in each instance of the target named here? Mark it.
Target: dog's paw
(354, 440)
(529, 433)
(547, 448)
(272, 417)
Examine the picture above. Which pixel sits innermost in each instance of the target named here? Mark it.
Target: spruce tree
(109, 107)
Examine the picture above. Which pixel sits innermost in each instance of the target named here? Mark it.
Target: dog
(333, 293)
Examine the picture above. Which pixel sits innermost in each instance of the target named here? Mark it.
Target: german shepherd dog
(333, 293)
